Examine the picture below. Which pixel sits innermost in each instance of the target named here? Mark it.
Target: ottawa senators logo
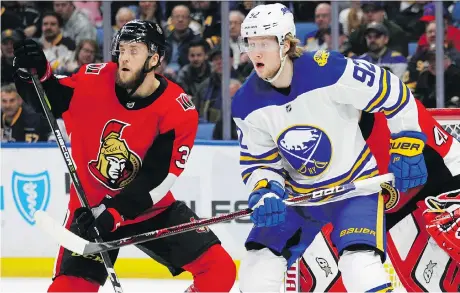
(390, 195)
(116, 165)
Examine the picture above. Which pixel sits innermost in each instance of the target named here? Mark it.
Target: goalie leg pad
(213, 271)
(65, 283)
(262, 271)
(363, 271)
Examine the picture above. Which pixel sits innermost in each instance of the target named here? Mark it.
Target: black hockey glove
(28, 54)
(96, 222)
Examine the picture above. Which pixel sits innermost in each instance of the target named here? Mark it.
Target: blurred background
(408, 38)
(419, 41)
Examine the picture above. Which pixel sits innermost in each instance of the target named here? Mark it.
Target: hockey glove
(96, 222)
(267, 204)
(406, 159)
(28, 54)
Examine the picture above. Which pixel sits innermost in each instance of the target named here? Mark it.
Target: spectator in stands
(235, 20)
(193, 74)
(85, 53)
(30, 18)
(374, 12)
(208, 99)
(19, 123)
(180, 38)
(77, 26)
(322, 20)
(163, 70)
(58, 50)
(150, 10)
(323, 40)
(218, 128)
(9, 37)
(124, 15)
(92, 9)
(408, 18)
(452, 33)
(376, 35)
(351, 18)
(425, 90)
(9, 18)
(419, 63)
(207, 14)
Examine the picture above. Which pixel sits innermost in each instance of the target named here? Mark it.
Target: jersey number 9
(363, 72)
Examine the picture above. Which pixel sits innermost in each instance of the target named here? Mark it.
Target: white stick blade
(59, 233)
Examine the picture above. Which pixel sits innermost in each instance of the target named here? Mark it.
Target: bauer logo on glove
(406, 159)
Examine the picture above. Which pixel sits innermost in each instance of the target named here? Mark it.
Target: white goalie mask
(268, 20)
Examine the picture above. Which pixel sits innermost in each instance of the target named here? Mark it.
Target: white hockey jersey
(310, 138)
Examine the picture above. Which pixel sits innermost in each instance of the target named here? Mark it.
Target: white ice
(129, 285)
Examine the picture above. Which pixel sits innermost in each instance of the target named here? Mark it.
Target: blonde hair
(295, 51)
(354, 19)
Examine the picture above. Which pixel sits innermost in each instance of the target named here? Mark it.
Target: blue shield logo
(307, 148)
(31, 192)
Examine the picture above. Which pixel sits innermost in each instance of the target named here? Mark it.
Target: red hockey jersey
(124, 147)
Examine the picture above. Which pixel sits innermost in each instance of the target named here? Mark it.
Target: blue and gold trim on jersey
(270, 157)
(382, 94)
(363, 158)
(248, 172)
(403, 99)
(379, 227)
(382, 288)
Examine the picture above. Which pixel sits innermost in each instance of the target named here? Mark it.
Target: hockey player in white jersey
(297, 119)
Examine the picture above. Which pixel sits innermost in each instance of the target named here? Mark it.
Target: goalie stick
(72, 171)
(81, 246)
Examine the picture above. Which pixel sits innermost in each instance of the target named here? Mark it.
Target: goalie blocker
(414, 269)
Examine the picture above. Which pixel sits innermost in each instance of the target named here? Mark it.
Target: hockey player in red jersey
(431, 210)
(131, 132)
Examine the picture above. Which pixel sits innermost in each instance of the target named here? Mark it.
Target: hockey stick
(84, 247)
(71, 167)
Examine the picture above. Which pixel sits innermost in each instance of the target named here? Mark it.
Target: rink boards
(35, 177)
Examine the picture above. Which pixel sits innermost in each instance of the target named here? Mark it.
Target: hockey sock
(65, 283)
(213, 271)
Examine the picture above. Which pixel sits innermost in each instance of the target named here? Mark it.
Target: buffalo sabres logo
(116, 165)
(31, 192)
(307, 148)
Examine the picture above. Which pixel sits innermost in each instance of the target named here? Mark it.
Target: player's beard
(131, 82)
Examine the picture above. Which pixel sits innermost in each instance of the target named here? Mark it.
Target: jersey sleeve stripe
(381, 92)
(267, 160)
(401, 103)
(367, 174)
(357, 168)
(387, 93)
(265, 156)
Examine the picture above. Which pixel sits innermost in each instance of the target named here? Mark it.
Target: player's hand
(28, 54)
(96, 222)
(267, 204)
(407, 162)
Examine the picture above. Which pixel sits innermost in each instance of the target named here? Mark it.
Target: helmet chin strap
(283, 61)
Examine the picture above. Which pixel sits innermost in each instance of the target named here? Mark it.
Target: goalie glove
(406, 159)
(442, 222)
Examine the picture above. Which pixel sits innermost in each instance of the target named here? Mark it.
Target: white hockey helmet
(267, 20)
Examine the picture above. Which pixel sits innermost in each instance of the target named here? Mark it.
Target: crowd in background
(396, 35)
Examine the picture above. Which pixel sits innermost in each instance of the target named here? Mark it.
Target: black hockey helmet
(140, 31)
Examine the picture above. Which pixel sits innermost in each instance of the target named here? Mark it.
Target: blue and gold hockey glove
(406, 159)
(266, 201)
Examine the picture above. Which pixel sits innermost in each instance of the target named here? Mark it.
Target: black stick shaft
(72, 171)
